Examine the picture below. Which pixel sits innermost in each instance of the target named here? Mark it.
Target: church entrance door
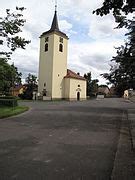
(78, 96)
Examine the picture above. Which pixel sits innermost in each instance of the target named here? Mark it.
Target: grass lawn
(9, 111)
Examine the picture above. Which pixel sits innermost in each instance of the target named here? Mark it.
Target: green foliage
(31, 80)
(88, 78)
(9, 76)
(10, 111)
(10, 26)
(122, 74)
(118, 8)
(7, 97)
(8, 101)
(92, 86)
(31, 86)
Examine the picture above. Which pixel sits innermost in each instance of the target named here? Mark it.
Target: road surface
(65, 141)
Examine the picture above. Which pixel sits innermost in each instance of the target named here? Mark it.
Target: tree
(118, 8)
(122, 74)
(9, 76)
(31, 86)
(88, 78)
(31, 80)
(92, 85)
(10, 26)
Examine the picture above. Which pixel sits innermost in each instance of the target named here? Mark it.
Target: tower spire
(55, 26)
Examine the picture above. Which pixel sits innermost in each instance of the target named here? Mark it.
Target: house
(18, 89)
(104, 90)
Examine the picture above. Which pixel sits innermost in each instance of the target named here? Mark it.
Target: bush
(8, 101)
(26, 95)
(92, 95)
(7, 97)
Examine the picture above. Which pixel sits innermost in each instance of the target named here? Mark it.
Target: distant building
(55, 80)
(104, 90)
(112, 90)
(18, 89)
(129, 94)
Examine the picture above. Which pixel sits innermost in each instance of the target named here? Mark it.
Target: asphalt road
(62, 140)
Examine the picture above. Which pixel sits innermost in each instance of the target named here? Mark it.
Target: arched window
(46, 47)
(61, 48)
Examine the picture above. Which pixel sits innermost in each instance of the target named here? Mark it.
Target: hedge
(8, 101)
(7, 97)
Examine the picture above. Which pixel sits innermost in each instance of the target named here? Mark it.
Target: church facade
(55, 80)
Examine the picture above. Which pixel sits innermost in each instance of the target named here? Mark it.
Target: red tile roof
(71, 74)
(17, 88)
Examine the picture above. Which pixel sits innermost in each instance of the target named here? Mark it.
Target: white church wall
(59, 68)
(73, 86)
(67, 88)
(45, 65)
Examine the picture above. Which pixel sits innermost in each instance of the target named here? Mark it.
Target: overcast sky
(91, 38)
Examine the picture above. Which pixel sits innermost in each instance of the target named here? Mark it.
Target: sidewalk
(124, 158)
(131, 118)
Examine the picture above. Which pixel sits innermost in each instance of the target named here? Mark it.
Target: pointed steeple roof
(55, 26)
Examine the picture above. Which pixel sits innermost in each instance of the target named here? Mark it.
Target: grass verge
(9, 111)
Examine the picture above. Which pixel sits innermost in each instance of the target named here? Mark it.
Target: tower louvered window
(46, 47)
(61, 47)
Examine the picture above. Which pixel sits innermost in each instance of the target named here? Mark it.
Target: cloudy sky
(92, 38)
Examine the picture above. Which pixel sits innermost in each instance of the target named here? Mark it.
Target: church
(55, 80)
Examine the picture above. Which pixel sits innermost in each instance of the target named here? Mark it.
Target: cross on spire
(55, 5)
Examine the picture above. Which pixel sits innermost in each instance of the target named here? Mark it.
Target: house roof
(17, 87)
(55, 27)
(71, 74)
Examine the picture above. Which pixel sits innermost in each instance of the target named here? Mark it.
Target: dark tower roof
(55, 27)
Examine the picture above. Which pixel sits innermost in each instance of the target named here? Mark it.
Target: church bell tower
(52, 62)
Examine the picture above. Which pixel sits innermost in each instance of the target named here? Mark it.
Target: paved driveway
(62, 140)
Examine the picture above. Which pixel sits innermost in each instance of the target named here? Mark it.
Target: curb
(131, 118)
(123, 162)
